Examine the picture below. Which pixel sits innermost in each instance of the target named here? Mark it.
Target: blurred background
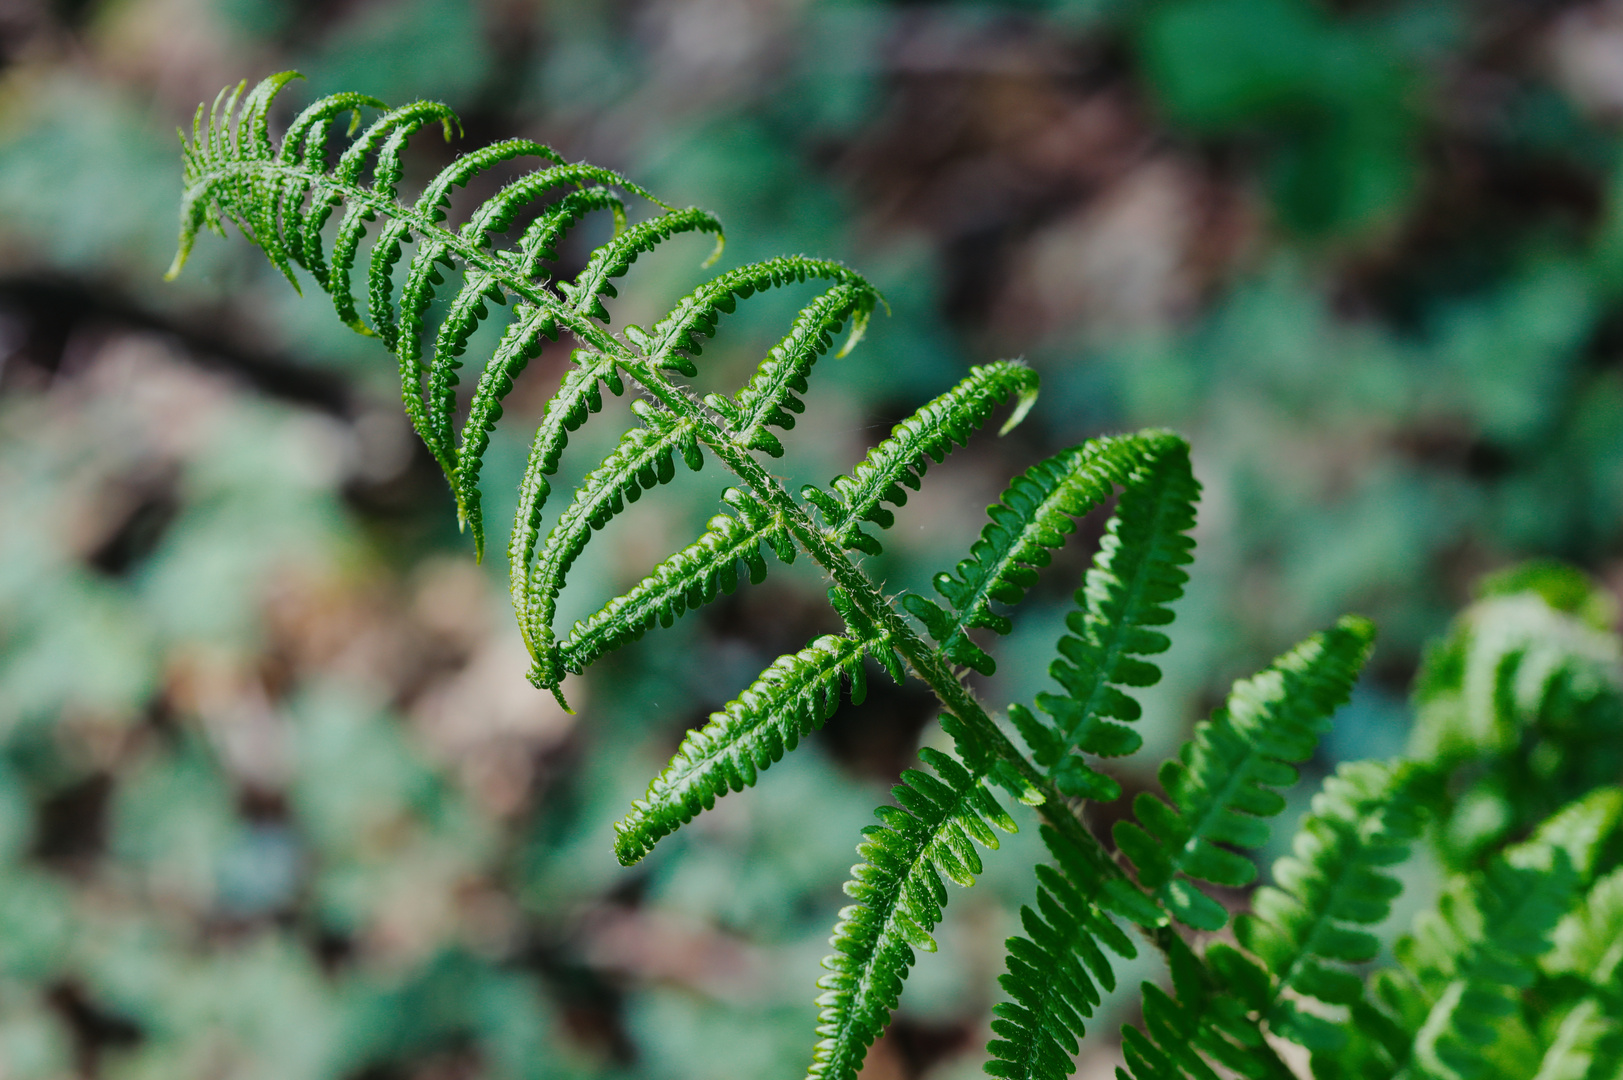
(275, 798)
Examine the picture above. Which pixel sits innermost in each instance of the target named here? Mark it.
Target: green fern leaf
(791, 699)
(769, 399)
(927, 435)
(521, 342)
(577, 397)
(1586, 1044)
(611, 260)
(1032, 518)
(1588, 942)
(1454, 995)
(1196, 1025)
(1136, 574)
(899, 895)
(539, 243)
(1220, 783)
(1365, 819)
(431, 206)
(678, 337)
(643, 459)
(1055, 972)
(692, 577)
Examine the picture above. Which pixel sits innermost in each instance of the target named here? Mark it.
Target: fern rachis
(1226, 1002)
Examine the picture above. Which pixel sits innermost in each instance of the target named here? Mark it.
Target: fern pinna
(1230, 1005)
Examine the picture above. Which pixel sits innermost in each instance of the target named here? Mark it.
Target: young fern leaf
(899, 895)
(1587, 946)
(1220, 784)
(902, 458)
(285, 197)
(769, 399)
(1137, 573)
(677, 338)
(1364, 819)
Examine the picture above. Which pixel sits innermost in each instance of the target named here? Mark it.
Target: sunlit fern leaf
(692, 577)
(1196, 1026)
(1586, 1044)
(1307, 927)
(789, 700)
(1221, 784)
(1453, 995)
(769, 399)
(1588, 943)
(1137, 573)
(1055, 971)
(644, 458)
(1492, 678)
(899, 895)
(929, 434)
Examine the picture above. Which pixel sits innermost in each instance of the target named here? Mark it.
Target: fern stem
(924, 660)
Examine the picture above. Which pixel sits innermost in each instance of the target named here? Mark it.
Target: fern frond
(1455, 993)
(1197, 1024)
(1136, 574)
(1305, 927)
(614, 258)
(901, 459)
(1055, 972)
(1220, 784)
(769, 399)
(692, 577)
(1030, 519)
(643, 459)
(521, 342)
(899, 895)
(1586, 1044)
(1528, 697)
(1588, 943)
(677, 338)
(789, 700)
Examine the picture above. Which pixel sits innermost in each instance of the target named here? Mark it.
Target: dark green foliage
(1136, 574)
(1516, 972)
(1031, 519)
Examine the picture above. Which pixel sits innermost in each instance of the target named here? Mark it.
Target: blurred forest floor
(275, 798)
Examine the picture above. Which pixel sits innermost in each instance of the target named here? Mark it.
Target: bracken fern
(1539, 921)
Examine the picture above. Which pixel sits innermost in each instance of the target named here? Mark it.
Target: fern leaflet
(1219, 784)
(899, 895)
